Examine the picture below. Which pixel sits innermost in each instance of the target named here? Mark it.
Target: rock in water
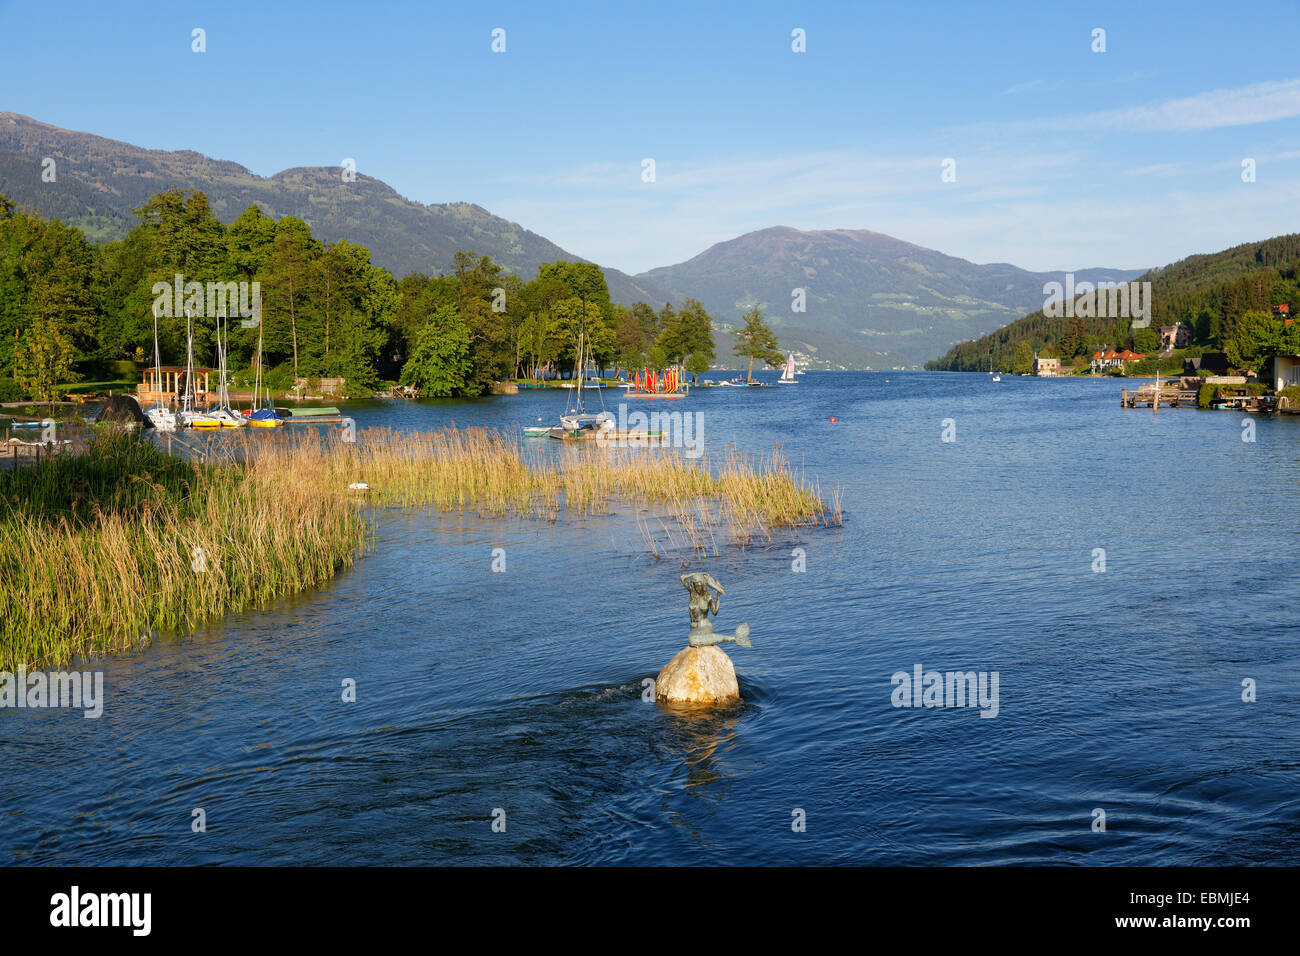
(698, 675)
(121, 408)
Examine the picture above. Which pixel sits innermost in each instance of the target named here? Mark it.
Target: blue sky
(1065, 158)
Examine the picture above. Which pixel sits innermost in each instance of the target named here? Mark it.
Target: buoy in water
(832, 419)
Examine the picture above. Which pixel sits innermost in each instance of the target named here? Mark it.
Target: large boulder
(121, 408)
(698, 675)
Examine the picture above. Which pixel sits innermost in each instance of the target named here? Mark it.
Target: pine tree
(757, 341)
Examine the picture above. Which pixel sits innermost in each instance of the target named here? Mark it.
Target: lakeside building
(1286, 371)
(1109, 359)
(167, 389)
(1176, 336)
(1047, 367)
(1216, 363)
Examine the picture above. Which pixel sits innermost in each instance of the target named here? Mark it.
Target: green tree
(287, 287)
(42, 359)
(1073, 341)
(687, 331)
(249, 242)
(697, 364)
(480, 306)
(439, 365)
(1022, 363)
(1146, 341)
(757, 341)
(1257, 337)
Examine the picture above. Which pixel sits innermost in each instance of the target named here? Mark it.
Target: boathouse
(171, 384)
(1047, 367)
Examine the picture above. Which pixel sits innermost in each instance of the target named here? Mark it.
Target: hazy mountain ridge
(871, 300)
(100, 181)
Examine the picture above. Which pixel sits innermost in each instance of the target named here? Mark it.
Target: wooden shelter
(172, 384)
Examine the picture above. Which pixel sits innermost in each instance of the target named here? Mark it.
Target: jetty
(1167, 396)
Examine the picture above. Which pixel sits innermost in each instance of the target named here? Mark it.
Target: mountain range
(870, 300)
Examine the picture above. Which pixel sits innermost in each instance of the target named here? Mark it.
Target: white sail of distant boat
(787, 374)
(159, 414)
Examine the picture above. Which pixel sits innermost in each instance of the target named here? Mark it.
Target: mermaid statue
(702, 603)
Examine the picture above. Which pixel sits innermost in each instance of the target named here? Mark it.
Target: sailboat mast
(157, 362)
(189, 362)
(581, 368)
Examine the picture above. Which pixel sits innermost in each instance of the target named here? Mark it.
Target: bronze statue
(702, 603)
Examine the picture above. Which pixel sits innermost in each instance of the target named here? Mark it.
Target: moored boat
(159, 415)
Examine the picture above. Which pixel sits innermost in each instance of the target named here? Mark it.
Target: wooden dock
(1170, 396)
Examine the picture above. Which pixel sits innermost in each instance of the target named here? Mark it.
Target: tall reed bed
(100, 550)
(486, 472)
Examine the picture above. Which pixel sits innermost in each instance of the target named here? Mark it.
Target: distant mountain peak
(100, 181)
(870, 299)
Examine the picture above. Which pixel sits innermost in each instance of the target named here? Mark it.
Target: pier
(1170, 396)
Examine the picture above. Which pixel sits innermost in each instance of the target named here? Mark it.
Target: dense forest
(1225, 299)
(73, 310)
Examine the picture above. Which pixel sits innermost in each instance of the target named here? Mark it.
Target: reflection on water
(522, 691)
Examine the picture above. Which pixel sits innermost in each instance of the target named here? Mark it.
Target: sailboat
(787, 374)
(266, 416)
(223, 416)
(577, 424)
(189, 416)
(160, 414)
(996, 378)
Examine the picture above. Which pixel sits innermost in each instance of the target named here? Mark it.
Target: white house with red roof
(1108, 359)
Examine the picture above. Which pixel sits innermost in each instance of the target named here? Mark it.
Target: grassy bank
(98, 550)
(123, 540)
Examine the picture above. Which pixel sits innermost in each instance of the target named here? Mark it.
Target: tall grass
(101, 550)
(485, 472)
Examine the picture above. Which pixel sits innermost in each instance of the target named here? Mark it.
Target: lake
(519, 693)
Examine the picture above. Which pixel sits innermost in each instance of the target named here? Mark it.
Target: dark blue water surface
(1118, 690)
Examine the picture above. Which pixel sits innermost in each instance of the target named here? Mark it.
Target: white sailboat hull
(162, 419)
